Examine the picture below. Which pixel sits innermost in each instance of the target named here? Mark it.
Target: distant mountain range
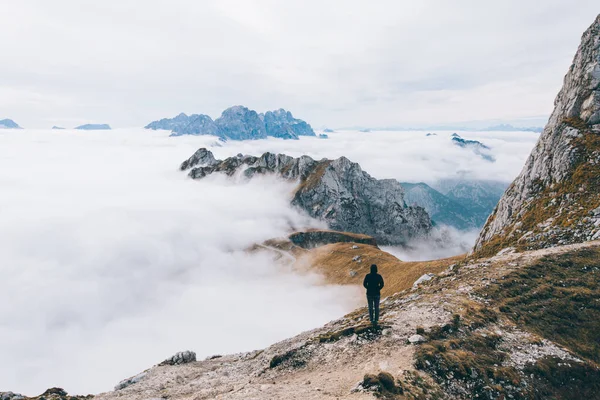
(460, 203)
(472, 127)
(8, 124)
(237, 123)
(93, 127)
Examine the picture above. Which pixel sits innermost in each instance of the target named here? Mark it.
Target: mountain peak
(555, 200)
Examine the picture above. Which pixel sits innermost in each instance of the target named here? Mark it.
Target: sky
(114, 260)
(335, 63)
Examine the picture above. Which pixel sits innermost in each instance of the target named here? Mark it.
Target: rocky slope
(473, 330)
(8, 124)
(556, 198)
(337, 191)
(237, 123)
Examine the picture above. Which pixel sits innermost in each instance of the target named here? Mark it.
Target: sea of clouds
(112, 260)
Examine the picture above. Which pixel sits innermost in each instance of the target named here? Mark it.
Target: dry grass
(334, 262)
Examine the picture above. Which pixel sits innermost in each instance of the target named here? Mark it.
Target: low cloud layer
(114, 260)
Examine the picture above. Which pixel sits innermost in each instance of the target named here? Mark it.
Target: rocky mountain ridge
(556, 197)
(337, 191)
(237, 123)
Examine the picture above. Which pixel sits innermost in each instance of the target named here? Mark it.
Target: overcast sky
(333, 63)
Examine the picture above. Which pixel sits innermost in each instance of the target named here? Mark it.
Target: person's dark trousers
(373, 308)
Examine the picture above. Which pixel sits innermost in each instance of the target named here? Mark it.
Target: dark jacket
(373, 282)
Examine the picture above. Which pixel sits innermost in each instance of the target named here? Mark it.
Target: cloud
(113, 260)
(336, 63)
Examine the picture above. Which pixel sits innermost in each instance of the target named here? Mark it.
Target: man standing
(373, 283)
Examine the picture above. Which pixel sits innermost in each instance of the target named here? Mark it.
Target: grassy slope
(334, 262)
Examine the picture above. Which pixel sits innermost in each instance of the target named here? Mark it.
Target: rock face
(183, 357)
(8, 124)
(237, 123)
(93, 127)
(337, 191)
(556, 198)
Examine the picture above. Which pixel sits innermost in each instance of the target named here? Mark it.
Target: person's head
(373, 269)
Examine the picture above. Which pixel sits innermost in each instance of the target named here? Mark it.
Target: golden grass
(334, 262)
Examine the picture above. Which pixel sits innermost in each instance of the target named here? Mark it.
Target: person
(373, 283)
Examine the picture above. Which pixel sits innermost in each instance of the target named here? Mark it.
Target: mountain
(93, 127)
(479, 197)
(280, 123)
(556, 198)
(241, 123)
(442, 209)
(57, 127)
(510, 128)
(337, 191)
(8, 124)
(478, 148)
(182, 124)
(237, 123)
(328, 130)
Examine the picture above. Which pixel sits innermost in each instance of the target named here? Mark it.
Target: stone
(415, 339)
(183, 357)
(423, 278)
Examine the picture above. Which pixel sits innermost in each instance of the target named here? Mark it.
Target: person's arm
(365, 281)
(380, 282)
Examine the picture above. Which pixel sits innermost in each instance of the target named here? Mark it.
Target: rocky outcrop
(337, 191)
(8, 124)
(183, 357)
(315, 238)
(50, 394)
(556, 198)
(93, 127)
(237, 123)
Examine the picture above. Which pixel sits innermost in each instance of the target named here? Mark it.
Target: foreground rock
(556, 198)
(237, 123)
(337, 191)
